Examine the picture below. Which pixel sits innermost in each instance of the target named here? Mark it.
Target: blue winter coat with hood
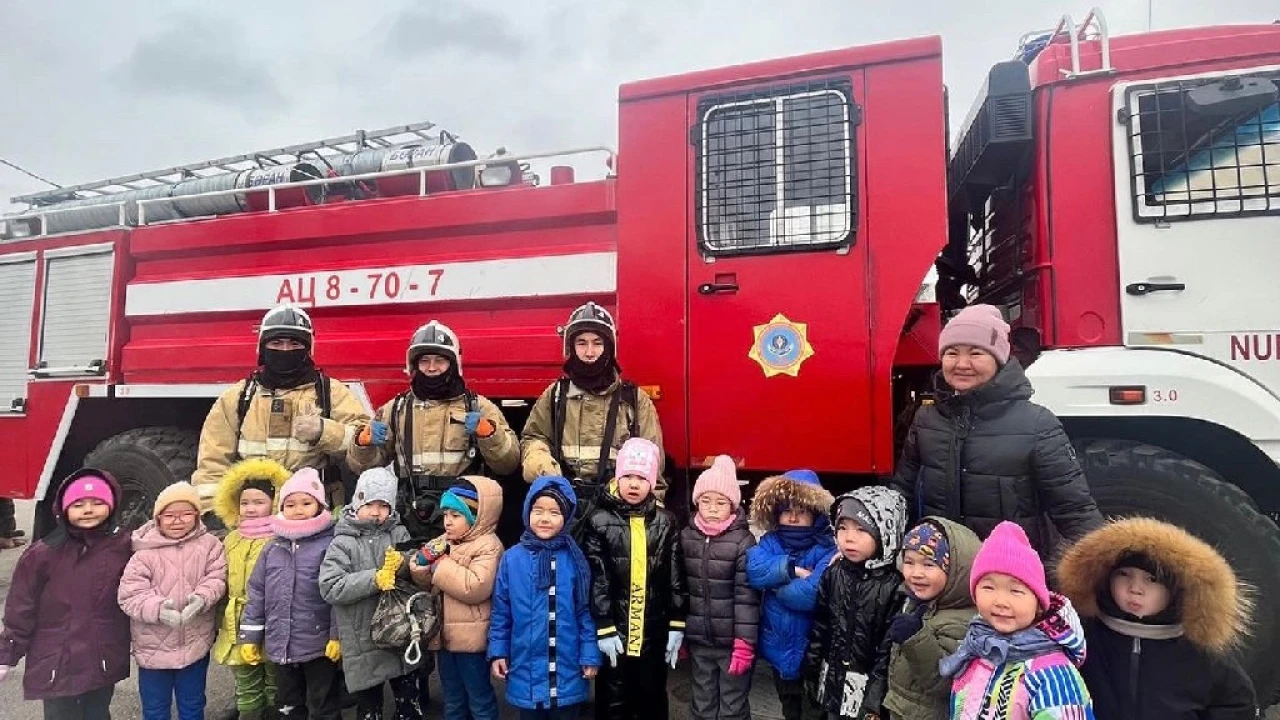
(519, 629)
(786, 608)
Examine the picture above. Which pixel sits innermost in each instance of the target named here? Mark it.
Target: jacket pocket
(1008, 493)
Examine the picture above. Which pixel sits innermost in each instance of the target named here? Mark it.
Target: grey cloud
(204, 58)
(414, 32)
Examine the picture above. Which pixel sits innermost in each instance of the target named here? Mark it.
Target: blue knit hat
(463, 500)
(802, 475)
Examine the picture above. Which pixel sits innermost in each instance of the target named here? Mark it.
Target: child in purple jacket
(286, 618)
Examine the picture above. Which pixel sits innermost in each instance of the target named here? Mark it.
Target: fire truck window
(77, 307)
(1199, 150)
(17, 298)
(776, 173)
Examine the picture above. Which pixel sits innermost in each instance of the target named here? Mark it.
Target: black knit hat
(553, 492)
(262, 484)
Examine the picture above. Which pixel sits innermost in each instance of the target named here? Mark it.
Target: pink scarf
(299, 529)
(714, 529)
(255, 528)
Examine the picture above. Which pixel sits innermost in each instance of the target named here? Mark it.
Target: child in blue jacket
(787, 566)
(541, 595)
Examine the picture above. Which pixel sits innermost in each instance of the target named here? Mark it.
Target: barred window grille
(1193, 162)
(776, 171)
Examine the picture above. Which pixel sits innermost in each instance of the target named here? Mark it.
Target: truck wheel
(145, 461)
(1129, 478)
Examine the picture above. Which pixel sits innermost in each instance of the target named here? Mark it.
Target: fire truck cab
(1119, 198)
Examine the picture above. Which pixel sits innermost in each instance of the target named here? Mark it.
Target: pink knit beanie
(88, 486)
(981, 326)
(1007, 551)
(721, 477)
(639, 457)
(306, 481)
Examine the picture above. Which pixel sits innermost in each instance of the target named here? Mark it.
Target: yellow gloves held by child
(385, 578)
(333, 651)
(251, 654)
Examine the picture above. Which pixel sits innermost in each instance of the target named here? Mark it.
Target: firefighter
(286, 410)
(578, 423)
(434, 432)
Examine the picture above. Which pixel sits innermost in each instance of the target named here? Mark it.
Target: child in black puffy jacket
(1161, 603)
(846, 665)
(638, 597)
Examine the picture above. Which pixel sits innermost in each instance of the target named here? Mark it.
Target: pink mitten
(743, 655)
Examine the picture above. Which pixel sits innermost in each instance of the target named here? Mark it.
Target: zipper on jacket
(706, 589)
(960, 434)
(1135, 662)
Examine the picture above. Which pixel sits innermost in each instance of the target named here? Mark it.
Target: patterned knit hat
(1008, 552)
(377, 484)
(639, 457)
(930, 541)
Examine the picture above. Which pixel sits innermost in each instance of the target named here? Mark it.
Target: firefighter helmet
(286, 321)
(434, 338)
(589, 318)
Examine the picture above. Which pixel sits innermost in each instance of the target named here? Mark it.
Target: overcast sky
(111, 88)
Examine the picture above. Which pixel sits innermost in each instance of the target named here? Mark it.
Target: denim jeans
(468, 694)
(160, 688)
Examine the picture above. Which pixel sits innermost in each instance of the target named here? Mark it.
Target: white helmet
(593, 318)
(286, 321)
(434, 338)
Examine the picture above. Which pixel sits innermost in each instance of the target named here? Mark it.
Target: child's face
(1138, 593)
(88, 513)
(1005, 602)
(455, 525)
(714, 507)
(178, 520)
(299, 506)
(254, 504)
(633, 488)
(796, 517)
(545, 518)
(375, 512)
(924, 578)
(855, 543)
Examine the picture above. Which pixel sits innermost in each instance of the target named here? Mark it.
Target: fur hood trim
(1215, 604)
(226, 503)
(780, 491)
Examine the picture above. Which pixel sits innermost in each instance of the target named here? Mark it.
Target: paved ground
(764, 703)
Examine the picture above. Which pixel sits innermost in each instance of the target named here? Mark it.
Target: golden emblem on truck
(781, 346)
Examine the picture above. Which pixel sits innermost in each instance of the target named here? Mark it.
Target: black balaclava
(593, 377)
(445, 386)
(284, 369)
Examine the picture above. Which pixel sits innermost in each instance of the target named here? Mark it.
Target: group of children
(858, 614)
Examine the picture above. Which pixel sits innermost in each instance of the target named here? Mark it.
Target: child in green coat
(937, 555)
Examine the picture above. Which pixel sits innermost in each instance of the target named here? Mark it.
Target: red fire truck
(762, 235)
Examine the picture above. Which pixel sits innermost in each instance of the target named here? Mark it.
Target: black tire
(145, 461)
(1129, 478)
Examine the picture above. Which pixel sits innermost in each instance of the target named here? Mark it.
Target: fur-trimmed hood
(226, 502)
(1214, 604)
(775, 493)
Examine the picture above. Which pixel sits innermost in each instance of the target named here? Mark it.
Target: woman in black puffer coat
(724, 610)
(983, 452)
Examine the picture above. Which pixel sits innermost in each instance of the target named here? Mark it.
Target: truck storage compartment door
(1197, 162)
(778, 307)
(76, 313)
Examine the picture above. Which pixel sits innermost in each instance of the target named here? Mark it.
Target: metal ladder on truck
(1033, 43)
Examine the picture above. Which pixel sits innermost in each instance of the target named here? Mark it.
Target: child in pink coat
(170, 588)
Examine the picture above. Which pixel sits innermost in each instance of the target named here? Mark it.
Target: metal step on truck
(762, 235)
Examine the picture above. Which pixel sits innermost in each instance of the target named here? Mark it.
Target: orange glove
(485, 428)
